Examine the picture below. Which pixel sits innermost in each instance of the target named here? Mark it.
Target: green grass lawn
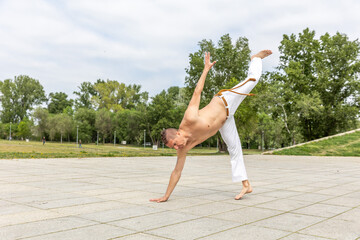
(346, 145)
(22, 149)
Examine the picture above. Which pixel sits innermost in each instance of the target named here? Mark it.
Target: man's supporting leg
(231, 137)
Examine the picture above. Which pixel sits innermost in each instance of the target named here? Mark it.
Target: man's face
(177, 143)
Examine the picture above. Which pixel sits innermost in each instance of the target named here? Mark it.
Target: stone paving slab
(294, 197)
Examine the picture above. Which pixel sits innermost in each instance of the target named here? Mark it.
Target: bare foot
(262, 54)
(246, 189)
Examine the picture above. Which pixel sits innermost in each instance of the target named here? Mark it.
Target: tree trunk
(61, 137)
(285, 119)
(222, 145)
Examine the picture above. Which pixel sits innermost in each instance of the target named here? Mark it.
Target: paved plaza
(108, 198)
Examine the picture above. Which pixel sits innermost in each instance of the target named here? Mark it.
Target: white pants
(228, 131)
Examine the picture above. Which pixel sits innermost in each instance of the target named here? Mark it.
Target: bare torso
(210, 119)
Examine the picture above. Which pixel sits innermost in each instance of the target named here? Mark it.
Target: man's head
(172, 138)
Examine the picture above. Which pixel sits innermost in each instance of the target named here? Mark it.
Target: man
(198, 125)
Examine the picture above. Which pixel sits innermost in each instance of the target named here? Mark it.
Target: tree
(24, 128)
(317, 82)
(116, 96)
(103, 123)
(41, 117)
(5, 130)
(52, 124)
(63, 125)
(59, 102)
(19, 96)
(85, 119)
(85, 94)
(130, 124)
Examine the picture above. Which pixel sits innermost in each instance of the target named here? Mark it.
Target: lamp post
(163, 142)
(114, 138)
(77, 135)
(144, 137)
(10, 132)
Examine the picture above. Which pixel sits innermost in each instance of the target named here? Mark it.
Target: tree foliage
(116, 96)
(41, 116)
(24, 128)
(85, 119)
(19, 96)
(58, 102)
(317, 83)
(85, 94)
(103, 123)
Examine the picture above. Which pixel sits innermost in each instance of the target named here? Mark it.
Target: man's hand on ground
(162, 199)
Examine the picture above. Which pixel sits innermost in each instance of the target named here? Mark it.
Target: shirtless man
(198, 125)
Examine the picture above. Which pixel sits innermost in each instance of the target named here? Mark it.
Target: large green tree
(63, 125)
(19, 96)
(116, 96)
(41, 117)
(24, 128)
(318, 83)
(104, 123)
(129, 125)
(58, 101)
(85, 119)
(84, 95)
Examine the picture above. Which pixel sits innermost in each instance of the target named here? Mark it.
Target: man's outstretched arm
(193, 108)
(175, 176)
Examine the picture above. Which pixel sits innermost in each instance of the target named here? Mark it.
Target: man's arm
(175, 176)
(193, 108)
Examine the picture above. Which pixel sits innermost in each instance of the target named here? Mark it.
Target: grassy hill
(344, 145)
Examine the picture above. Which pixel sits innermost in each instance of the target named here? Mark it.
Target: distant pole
(164, 129)
(144, 137)
(10, 132)
(217, 144)
(262, 140)
(97, 139)
(114, 138)
(77, 135)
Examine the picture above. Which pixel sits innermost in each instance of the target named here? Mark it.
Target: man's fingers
(158, 200)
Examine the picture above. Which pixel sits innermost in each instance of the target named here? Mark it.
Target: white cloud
(63, 43)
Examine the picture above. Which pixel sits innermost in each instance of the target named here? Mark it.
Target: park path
(107, 198)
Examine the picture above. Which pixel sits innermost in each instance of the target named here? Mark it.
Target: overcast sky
(147, 42)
